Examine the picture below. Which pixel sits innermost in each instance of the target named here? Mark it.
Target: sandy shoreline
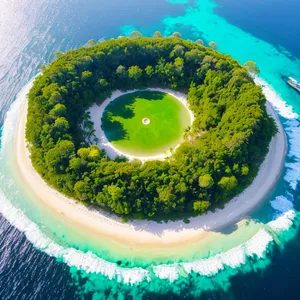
(96, 113)
(149, 232)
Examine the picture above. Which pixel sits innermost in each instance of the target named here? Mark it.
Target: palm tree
(58, 53)
(157, 34)
(91, 134)
(199, 42)
(213, 45)
(135, 34)
(90, 43)
(186, 132)
(177, 34)
(251, 67)
(88, 128)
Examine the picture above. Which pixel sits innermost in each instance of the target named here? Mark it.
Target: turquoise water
(102, 268)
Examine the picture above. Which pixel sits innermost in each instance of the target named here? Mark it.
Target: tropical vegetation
(222, 150)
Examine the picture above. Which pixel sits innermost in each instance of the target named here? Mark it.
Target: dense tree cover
(230, 134)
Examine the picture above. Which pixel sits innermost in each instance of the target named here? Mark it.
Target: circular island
(216, 155)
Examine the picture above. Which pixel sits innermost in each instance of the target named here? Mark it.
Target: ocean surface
(43, 257)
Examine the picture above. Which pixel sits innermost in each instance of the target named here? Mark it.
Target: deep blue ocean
(30, 33)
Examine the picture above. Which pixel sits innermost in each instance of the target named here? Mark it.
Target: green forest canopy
(231, 131)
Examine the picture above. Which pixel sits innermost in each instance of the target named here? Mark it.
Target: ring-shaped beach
(121, 129)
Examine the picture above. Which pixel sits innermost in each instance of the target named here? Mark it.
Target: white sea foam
(292, 129)
(284, 222)
(88, 262)
(13, 114)
(272, 96)
(257, 245)
(170, 272)
(91, 263)
(292, 175)
(232, 258)
(282, 204)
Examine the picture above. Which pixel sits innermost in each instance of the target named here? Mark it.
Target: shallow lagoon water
(194, 20)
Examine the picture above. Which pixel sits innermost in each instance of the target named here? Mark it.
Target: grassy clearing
(123, 125)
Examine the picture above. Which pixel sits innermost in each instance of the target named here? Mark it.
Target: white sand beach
(96, 113)
(150, 232)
